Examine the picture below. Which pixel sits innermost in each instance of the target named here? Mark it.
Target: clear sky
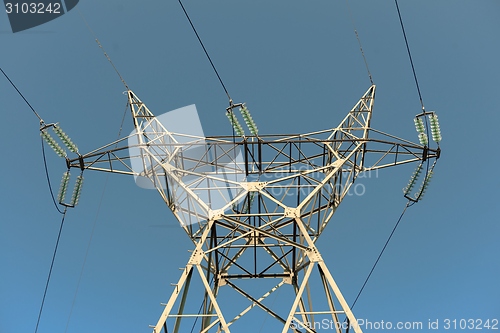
(298, 67)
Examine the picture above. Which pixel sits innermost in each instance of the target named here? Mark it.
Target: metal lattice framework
(254, 208)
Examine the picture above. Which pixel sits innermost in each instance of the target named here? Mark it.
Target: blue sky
(297, 66)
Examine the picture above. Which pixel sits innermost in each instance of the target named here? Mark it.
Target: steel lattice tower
(254, 208)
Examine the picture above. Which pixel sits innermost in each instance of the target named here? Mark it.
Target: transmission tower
(254, 207)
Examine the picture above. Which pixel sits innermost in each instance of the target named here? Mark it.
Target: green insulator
(429, 176)
(53, 144)
(425, 184)
(65, 139)
(230, 116)
(419, 125)
(435, 129)
(248, 203)
(235, 123)
(422, 137)
(252, 127)
(420, 195)
(409, 187)
(238, 129)
(413, 179)
(437, 137)
(77, 190)
(64, 187)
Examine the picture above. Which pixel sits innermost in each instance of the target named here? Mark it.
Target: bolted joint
(292, 212)
(196, 257)
(313, 254)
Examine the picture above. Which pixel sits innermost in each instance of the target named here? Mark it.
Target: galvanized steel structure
(254, 207)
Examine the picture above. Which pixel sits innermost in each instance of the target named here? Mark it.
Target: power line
(48, 178)
(113, 65)
(53, 199)
(380, 254)
(409, 56)
(20, 94)
(205, 50)
(43, 147)
(359, 42)
(50, 270)
(408, 204)
(92, 231)
(414, 76)
(102, 49)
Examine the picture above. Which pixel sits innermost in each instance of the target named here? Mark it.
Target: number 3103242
(33, 8)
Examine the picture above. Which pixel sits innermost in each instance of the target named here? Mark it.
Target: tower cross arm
(386, 150)
(112, 157)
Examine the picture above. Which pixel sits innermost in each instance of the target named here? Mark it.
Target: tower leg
(301, 317)
(306, 321)
(194, 263)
